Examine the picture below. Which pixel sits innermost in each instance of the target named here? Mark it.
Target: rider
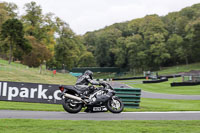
(86, 78)
(83, 81)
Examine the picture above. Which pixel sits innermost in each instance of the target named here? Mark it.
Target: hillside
(21, 73)
(179, 69)
(148, 43)
(164, 71)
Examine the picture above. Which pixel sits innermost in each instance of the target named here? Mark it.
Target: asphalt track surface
(45, 115)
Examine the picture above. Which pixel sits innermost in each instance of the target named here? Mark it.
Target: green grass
(86, 126)
(147, 104)
(165, 87)
(179, 68)
(4, 105)
(21, 73)
(164, 71)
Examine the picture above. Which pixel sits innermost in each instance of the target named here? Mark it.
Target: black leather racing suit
(85, 80)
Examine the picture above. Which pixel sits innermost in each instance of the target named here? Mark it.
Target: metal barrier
(96, 69)
(129, 96)
(103, 79)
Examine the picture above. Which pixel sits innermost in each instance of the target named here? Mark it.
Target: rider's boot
(88, 109)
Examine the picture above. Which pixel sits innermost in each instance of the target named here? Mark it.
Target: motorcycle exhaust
(73, 97)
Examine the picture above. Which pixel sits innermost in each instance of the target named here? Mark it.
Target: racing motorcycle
(97, 99)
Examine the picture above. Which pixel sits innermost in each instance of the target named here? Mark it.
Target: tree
(34, 21)
(12, 32)
(89, 40)
(67, 50)
(160, 53)
(7, 11)
(137, 55)
(149, 42)
(122, 53)
(42, 27)
(87, 60)
(106, 47)
(193, 42)
(134, 25)
(174, 45)
(38, 55)
(33, 14)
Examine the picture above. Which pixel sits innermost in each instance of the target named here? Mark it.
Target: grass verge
(21, 73)
(164, 71)
(147, 104)
(165, 87)
(179, 69)
(83, 126)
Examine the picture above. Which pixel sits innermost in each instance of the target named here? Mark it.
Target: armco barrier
(103, 79)
(155, 81)
(49, 93)
(184, 84)
(130, 78)
(96, 69)
(129, 96)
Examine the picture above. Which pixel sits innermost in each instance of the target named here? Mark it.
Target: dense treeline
(36, 38)
(150, 42)
(141, 44)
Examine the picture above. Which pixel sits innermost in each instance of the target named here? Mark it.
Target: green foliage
(7, 11)
(106, 47)
(87, 60)
(12, 32)
(38, 55)
(192, 37)
(68, 47)
(148, 43)
(33, 14)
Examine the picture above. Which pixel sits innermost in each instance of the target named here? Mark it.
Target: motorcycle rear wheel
(72, 107)
(115, 106)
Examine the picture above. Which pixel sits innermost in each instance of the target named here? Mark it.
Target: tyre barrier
(129, 96)
(129, 78)
(103, 79)
(155, 81)
(170, 76)
(160, 77)
(184, 84)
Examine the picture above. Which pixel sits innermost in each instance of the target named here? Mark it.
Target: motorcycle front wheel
(72, 106)
(115, 105)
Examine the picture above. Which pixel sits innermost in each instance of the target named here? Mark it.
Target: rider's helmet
(89, 73)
